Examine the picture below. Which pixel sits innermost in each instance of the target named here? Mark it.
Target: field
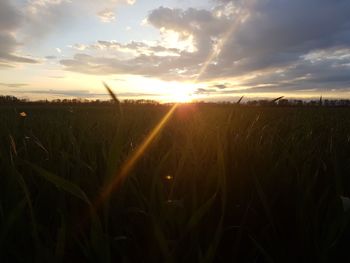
(219, 183)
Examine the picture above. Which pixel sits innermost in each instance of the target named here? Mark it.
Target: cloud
(45, 17)
(10, 21)
(66, 93)
(10, 17)
(85, 93)
(106, 16)
(318, 71)
(13, 85)
(269, 44)
(22, 23)
(126, 50)
(220, 86)
(278, 32)
(156, 60)
(50, 57)
(109, 57)
(202, 25)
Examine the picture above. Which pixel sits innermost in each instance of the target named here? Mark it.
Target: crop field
(205, 183)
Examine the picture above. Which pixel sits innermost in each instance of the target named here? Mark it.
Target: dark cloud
(220, 86)
(278, 32)
(323, 71)
(204, 91)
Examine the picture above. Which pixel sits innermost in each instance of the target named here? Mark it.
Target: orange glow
(168, 177)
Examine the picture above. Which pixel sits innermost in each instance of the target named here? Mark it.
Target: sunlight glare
(179, 92)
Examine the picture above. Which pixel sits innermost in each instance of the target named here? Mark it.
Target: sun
(164, 91)
(180, 96)
(180, 92)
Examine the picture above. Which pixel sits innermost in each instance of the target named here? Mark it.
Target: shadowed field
(222, 183)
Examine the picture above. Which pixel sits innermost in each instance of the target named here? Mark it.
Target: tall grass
(220, 183)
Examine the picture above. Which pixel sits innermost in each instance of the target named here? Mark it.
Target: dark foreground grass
(220, 183)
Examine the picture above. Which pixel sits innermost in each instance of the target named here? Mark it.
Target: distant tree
(8, 99)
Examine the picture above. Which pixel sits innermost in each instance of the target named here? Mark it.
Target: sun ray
(119, 178)
(135, 156)
(242, 14)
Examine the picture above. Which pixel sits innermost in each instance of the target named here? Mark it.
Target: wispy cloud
(86, 93)
(50, 57)
(14, 85)
(106, 15)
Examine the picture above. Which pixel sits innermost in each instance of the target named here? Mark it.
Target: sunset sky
(175, 50)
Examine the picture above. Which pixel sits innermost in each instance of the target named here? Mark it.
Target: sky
(175, 50)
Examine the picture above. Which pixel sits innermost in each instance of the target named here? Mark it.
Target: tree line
(281, 101)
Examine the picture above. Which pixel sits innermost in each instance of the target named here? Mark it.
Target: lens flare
(135, 156)
(119, 178)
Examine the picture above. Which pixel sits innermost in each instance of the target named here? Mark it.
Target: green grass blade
(111, 93)
(200, 213)
(277, 99)
(240, 99)
(61, 183)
